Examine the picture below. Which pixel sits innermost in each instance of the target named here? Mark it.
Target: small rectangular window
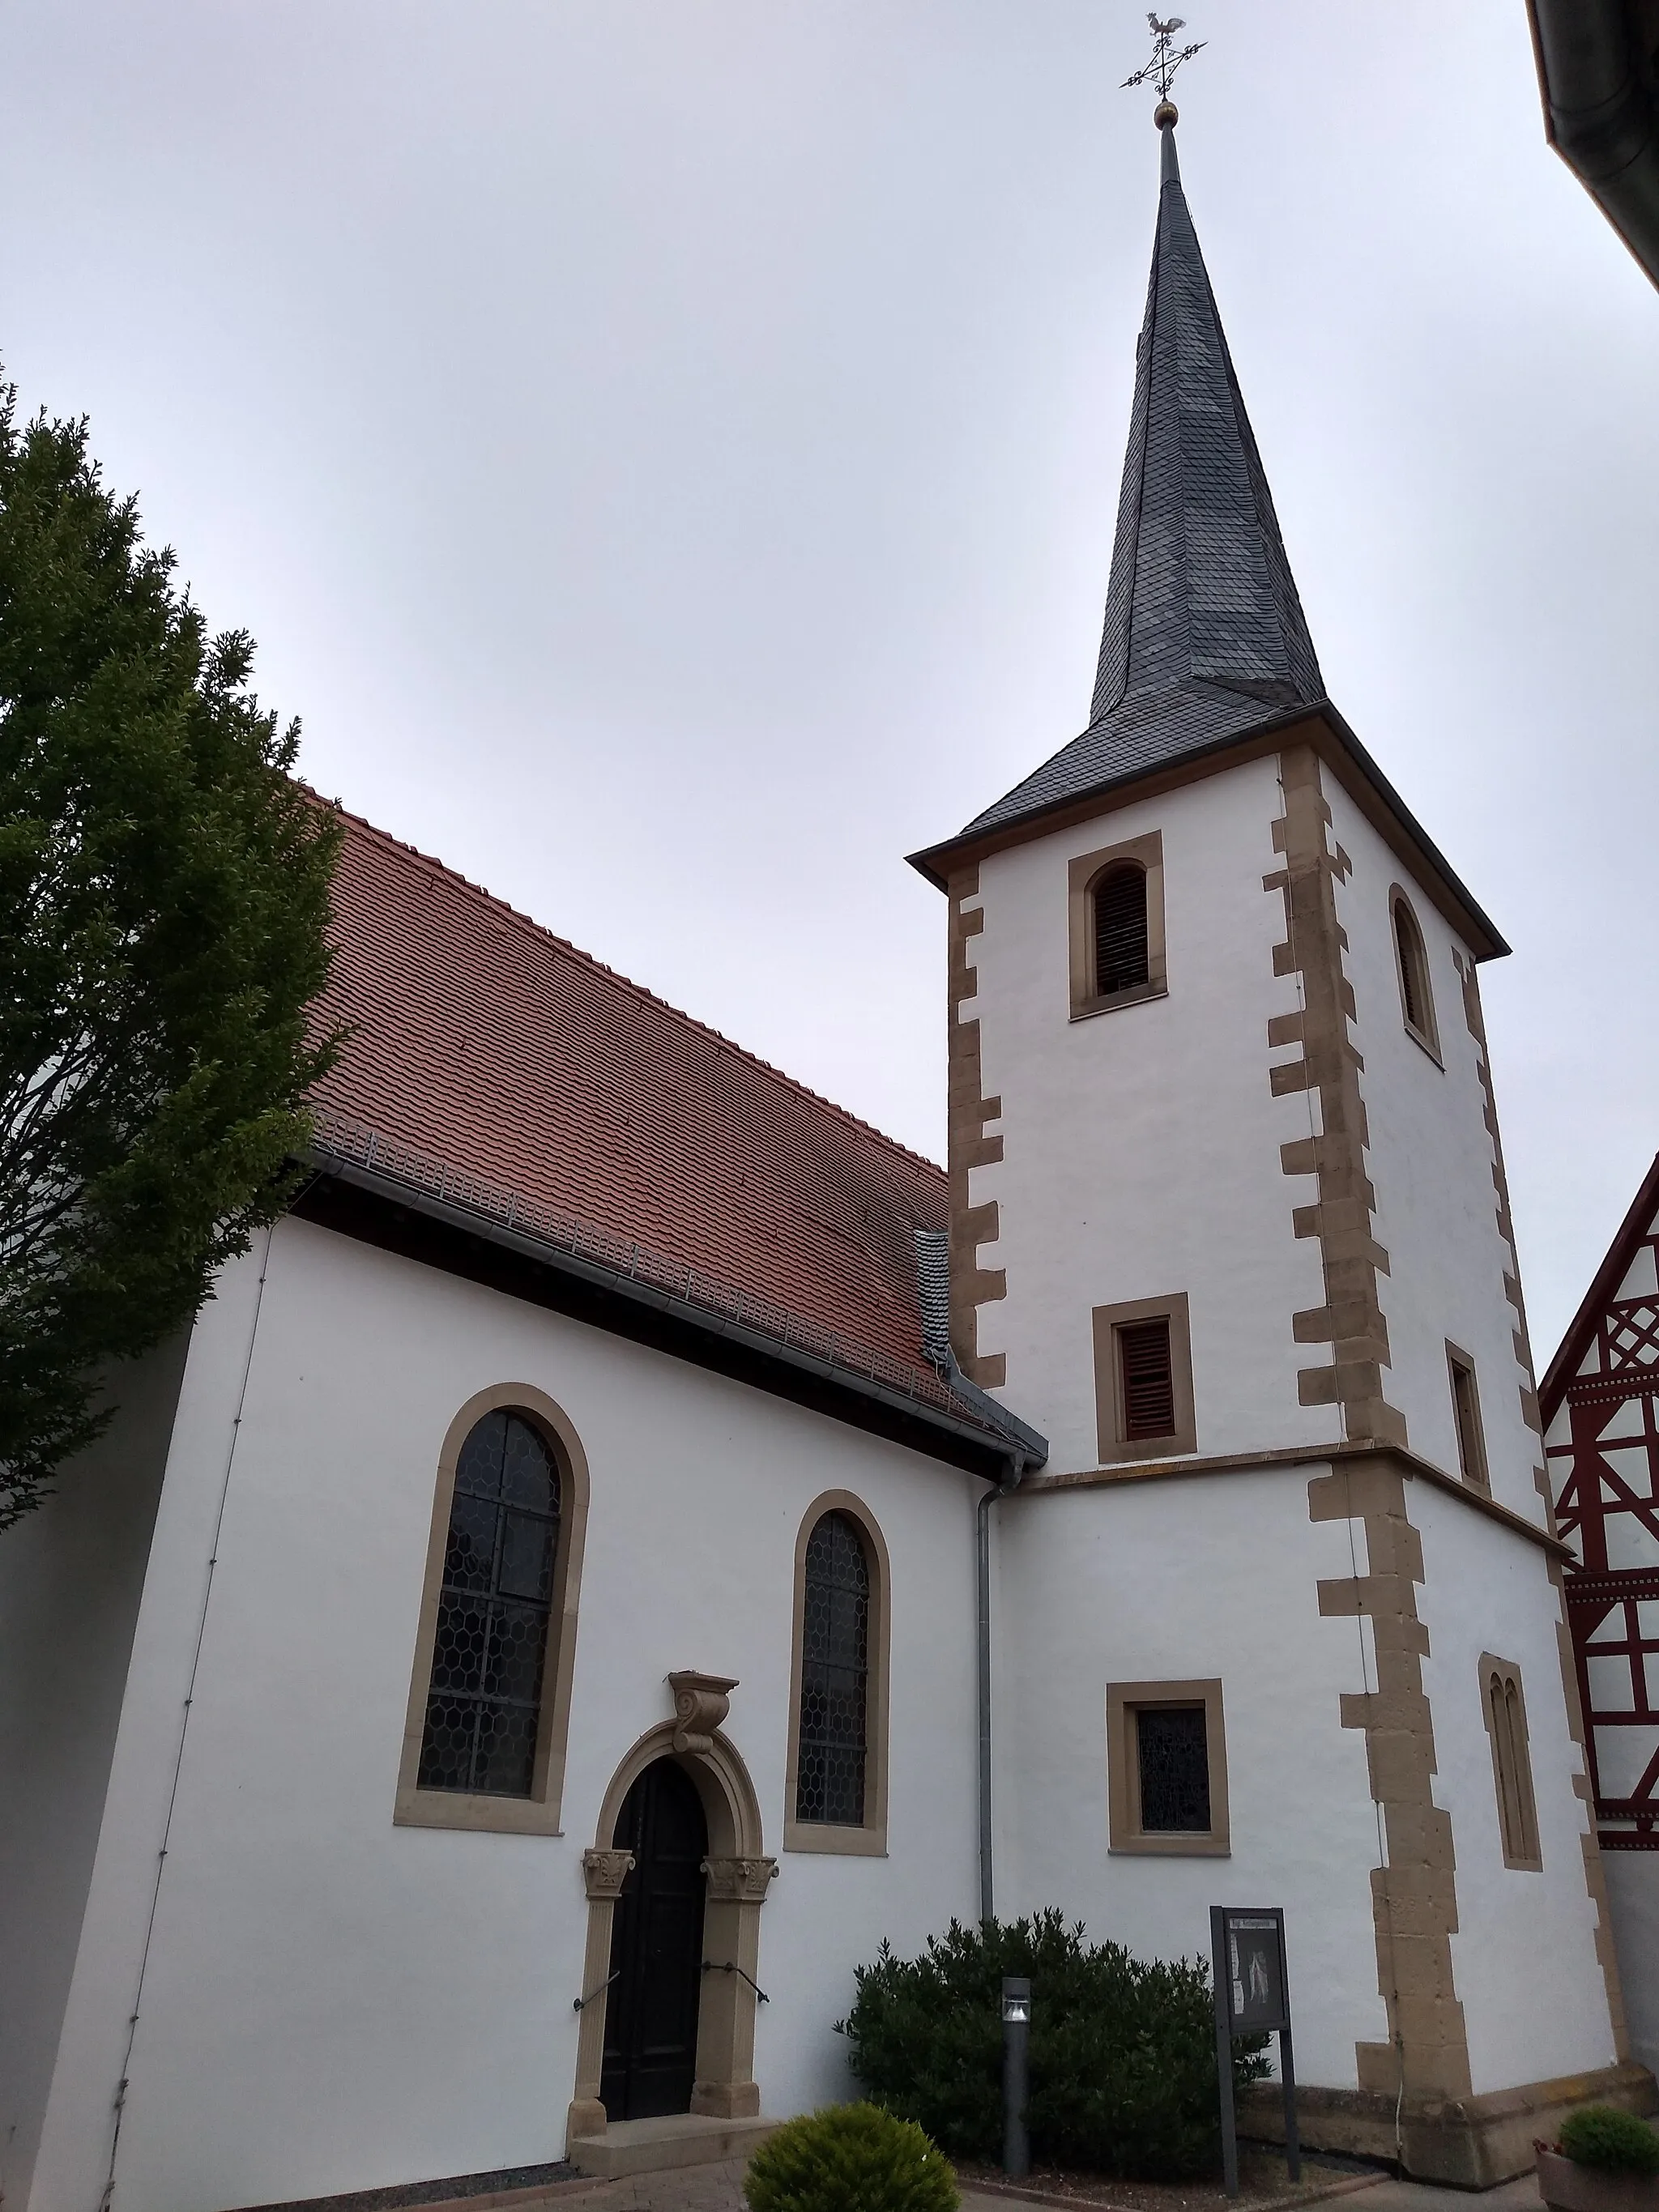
(1144, 1380)
(1466, 1416)
(1166, 1768)
(1505, 1714)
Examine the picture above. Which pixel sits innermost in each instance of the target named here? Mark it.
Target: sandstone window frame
(1125, 1702)
(869, 1839)
(1504, 1709)
(539, 1813)
(1112, 1440)
(1411, 968)
(1083, 874)
(1466, 1424)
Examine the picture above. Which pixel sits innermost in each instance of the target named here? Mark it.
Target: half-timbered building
(1600, 1406)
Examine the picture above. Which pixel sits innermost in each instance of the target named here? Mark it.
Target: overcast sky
(667, 452)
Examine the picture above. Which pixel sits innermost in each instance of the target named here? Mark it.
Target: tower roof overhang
(1323, 728)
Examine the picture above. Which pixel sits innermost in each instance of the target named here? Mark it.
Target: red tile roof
(481, 1039)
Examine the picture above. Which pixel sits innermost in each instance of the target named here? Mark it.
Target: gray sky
(667, 452)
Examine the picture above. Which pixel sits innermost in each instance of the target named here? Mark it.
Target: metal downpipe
(982, 1580)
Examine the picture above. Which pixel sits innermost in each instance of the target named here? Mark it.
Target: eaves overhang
(397, 1214)
(1599, 82)
(1324, 728)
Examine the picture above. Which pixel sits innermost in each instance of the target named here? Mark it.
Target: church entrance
(656, 1948)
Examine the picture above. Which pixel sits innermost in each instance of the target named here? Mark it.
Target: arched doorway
(650, 2061)
(737, 1875)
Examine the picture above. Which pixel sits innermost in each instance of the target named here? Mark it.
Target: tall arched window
(838, 1789)
(483, 1705)
(494, 1648)
(1120, 938)
(835, 1676)
(1506, 1717)
(1412, 961)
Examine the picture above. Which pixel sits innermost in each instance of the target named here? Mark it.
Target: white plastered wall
(1141, 1145)
(1535, 2001)
(332, 2002)
(1632, 1879)
(1194, 1579)
(71, 1576)
(1430, 1164)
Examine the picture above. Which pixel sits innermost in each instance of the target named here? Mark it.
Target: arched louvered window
(1416, 998)
(483, 1703)
(1120, 939)
(834, 1720)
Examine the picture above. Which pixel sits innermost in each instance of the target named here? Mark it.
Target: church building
(633, 1538)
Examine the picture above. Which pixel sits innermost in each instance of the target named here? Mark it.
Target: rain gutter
(987, 1436)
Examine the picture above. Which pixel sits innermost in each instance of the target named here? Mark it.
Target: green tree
(163, 900)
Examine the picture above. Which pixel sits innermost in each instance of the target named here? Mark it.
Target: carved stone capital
(701, 1704)
(740, 1881)
(605, 1872)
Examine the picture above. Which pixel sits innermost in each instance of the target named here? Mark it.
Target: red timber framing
(1599, 1402)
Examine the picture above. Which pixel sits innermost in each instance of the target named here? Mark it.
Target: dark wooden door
(656, 1948)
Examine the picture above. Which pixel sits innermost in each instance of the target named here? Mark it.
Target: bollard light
(1016, 2031)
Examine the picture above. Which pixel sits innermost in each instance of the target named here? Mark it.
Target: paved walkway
(696, 2189)
(719, 2189)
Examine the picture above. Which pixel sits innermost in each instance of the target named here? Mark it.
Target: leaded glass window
(834, 1675)
(484, 1706)
(1172, 1746)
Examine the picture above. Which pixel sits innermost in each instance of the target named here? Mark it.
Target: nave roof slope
(481, 1039)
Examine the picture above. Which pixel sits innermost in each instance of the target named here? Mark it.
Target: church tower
(1279, 1621)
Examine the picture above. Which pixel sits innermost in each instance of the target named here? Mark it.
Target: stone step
(660, 2146)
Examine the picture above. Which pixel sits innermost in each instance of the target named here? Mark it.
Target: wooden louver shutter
(1411, 973)
(1148, 1378)
(1120, 957)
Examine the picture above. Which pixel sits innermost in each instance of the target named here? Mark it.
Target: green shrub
(1122, 2050)
(1600, 2134)
(849, 2158)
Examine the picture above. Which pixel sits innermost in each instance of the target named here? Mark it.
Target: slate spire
(1205, 638)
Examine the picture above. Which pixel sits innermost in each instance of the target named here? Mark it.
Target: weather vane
(1166, 60)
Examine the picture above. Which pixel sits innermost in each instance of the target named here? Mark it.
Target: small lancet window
(1416, 998)
(483, 1704)
(1466, 1418)
(834, 1675)
(1122, 959)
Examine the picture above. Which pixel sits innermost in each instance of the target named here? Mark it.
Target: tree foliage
(1122, 2053)
(163, 899)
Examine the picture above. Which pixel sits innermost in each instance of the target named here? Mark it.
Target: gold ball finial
(1166, 115)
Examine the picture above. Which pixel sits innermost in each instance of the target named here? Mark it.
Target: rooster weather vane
(1167, 58)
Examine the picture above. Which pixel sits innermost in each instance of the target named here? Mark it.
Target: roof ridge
(564, 944)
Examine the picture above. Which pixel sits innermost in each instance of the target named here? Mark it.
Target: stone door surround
(740, 1875)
